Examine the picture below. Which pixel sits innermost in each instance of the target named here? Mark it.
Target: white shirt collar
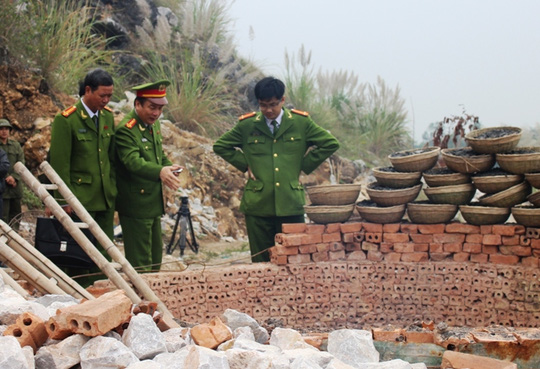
(90, 112)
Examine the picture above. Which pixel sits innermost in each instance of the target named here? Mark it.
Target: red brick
(535, 243)
(350, 227)
(307, 249)
(369, 246)
(331, 237)
(510, 240)
(299, 259)
(290, 239)
(462, 228)
(524, 241)
(435, 247)
(479, 258)
(431, 228)
(422, 238)
(453, 247)
(415, 257)
(293, 228)
(357, 255)
(374, 256)
(373, 237)
(282, 250)
(530, 262)
(353, 246)
(486, 229)
(323, 247)
(486, 249)
(504, 259)
(320, 256)
(516, 250)
(409, 228)
(311, 238)
(492, 240)
(386, 247)
(395, 237)
(448, 238)
(419, 337)
(315, 228)
(461, 256)
(519, 229)
(438, 256)
(348, 237)
(473, 248)
(332, 228)
(504, 229)
(372, 227)
(421, 247)
(474, 238)
(279, 259)
(336, 246)
(393, 257)
(391, 227)
(336, 255)
(404, 247)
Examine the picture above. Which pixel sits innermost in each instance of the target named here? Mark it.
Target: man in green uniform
(14, 192)
(82, 152)
(272, 146)
(142, 169)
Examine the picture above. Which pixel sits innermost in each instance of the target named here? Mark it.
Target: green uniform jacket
(15, 153)
(83, 156)
(276, 162)
(140, 159)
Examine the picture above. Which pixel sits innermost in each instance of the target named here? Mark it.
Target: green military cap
(5, 123)
(155, 91)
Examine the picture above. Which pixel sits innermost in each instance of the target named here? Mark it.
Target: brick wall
(361, 275)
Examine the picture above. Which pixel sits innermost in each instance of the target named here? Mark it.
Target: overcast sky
(483, 55)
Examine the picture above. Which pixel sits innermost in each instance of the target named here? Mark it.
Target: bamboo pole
(13, 284)
(102, 238)
(77, 234)
(27, 271)
(47, 267)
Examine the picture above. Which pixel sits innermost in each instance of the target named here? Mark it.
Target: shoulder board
(108, 109)
(247, 115)
(66, 113)
(131, 123)
(300, 112)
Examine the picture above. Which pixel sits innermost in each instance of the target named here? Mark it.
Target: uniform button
(80, 180)
(101, 162)
(277, 169)
(146, 147)
(275, 141)
(292, 138)
(275, 155)
(142, 190)
(99, 150)
(256, 141)
(277, 184)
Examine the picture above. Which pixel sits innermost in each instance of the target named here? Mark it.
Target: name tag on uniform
(82, 130)
(144, 139)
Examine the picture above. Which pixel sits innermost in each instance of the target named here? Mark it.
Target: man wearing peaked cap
(142, 169)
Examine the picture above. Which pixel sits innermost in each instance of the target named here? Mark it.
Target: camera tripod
(183, 218)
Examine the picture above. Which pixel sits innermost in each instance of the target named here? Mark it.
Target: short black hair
(95, 78)
(268, 88)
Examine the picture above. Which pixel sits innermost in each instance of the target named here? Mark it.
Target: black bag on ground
(55, 242)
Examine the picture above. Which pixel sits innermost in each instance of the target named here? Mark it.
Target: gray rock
(174, 340)
(288, 339)
(61, 355)
(419, 366)
(245, 333)
(203, 358)
(304, 363)
(28, 353)
(321, 358)
(143, 337)
(11, 354)
(392, 364)
(242, 359)
(12, 307)
(338, 364)
(353, 347)
(255, 346)
(173, 360)
(146, 364)
(106, 352)
(235, 319)
(48, 300)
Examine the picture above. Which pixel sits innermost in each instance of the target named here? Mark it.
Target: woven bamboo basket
(526, 216)
(339, 194)
(445, 179)
(429, 213)
(417, 160)
(534, 199)
(496, 145)
(396, 179)
(507, 198)
(483, 215)
(467, 164)
(381, 215)
(520, 162)
(324, 214)
(456, 194)
(533, 179)
(496, 183)
(393, 196)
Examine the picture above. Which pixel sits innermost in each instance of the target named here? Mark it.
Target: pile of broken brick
(58, 331)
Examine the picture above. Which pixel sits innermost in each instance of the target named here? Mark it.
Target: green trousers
(143, 244)
(12, 208)
(262, 231)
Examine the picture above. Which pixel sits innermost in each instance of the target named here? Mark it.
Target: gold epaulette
(108, 109)
(247, 115)
(66, 113)
(131, 123)
(300, 112)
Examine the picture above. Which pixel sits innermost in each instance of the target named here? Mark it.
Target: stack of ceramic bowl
(396, 185)
(331, 203)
